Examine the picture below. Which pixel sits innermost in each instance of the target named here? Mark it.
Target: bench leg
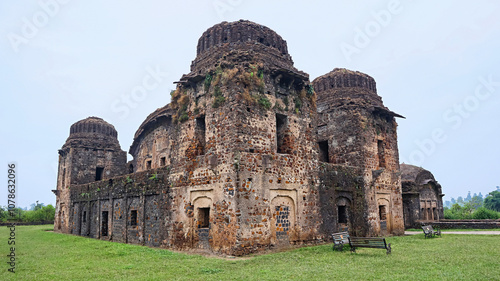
(389, 248)
(338, 247)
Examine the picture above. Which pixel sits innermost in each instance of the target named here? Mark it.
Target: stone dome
(416, 174)
(343, 78)
(92, 127)
(343, 87)
(240, 32)
(241, 38)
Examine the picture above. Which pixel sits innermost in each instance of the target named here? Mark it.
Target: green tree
(468, 198)
(492, 201)
(483, 214)
(45, 213)
(36, 206)
(3, 214)
(476, 202)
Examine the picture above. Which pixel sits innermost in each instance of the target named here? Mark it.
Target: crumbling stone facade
(237, 163)
(356, 132)
(422, 196)
(91, 153)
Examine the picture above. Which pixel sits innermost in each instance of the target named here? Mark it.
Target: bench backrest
(427, 228)
(368, 242)
(341, 237)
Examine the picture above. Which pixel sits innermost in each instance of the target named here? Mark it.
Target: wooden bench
(339, 239)
(369, 242)
(429, 231)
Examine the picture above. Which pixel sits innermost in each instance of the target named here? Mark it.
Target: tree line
(38, 212)
(474, 206)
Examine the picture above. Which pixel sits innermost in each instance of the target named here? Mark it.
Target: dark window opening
(98, 173)
(323, 151)
(104, 223)
(285, 82)
(133, 217)
(381, 154)
(131, 169)
(281, 126)
(200, 132)
(382, 212)
(63, 178)
(252, 150)
(342, 214)
(148, 164)
(84, 218)
(162, 161)
(203, 217)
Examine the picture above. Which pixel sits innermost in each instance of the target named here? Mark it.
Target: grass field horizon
(44, 255)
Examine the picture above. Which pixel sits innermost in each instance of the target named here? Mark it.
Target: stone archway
(343, 205)
(384, 216)
(201, 220)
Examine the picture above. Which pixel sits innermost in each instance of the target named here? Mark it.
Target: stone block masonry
(247, 156)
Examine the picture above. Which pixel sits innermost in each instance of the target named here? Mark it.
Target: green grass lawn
(43, 255)
(457, 229)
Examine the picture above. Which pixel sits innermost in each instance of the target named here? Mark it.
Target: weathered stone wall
(236, 162)
(156, 141)
(464, 224)
(355, 129)
(91, 153)
(422, 196)
(242, 144)
(342, 187)
(104, 209)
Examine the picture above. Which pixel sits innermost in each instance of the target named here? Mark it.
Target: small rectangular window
(133, 217)
(98, 173)
(203, 217)
(162, 161)
(342, 214)
(323, 151)
(381, 154)
(281, 126)
(84, 217)
(148, 165)
(104, 223)
(382, 212)
(200, 133)
(63, 178)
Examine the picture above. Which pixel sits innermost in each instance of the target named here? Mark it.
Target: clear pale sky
(435, 62)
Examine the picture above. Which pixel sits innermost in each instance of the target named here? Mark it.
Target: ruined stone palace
(422, 196)
(249, 154)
